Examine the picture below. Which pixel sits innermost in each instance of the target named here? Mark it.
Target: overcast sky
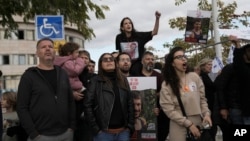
(142, 13)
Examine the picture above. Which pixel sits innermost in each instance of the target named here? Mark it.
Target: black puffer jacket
(98, 105)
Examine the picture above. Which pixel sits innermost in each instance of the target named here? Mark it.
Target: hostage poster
(197, 26)
(144, 98)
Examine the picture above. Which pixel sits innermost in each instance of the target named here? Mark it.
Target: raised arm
(157, 21)
(234, 40)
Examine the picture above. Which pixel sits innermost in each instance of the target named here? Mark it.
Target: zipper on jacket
(55, 98)
(112, 108)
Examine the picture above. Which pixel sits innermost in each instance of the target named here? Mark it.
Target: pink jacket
(73, 67)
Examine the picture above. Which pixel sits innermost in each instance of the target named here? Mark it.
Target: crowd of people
(64, 99)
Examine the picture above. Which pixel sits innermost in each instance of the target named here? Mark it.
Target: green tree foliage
(74, 11)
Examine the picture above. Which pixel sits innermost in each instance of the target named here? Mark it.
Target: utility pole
(216, 30)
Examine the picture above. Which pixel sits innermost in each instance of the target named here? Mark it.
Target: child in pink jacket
(68, 59)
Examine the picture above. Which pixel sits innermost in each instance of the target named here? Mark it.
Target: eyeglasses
(108, 59)
(180, 57)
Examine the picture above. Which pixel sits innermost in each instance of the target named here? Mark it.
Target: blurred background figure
(91, 66)
(11, 125)
(210, 89)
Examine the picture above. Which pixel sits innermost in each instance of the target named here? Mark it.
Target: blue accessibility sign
(50, 26)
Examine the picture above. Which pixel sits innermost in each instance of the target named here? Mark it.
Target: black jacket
(40, 109)
(243, 73)
(98, 105)
(210, 89)
(227, 85)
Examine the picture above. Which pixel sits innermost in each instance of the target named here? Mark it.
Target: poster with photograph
(197, 26)
(144, 98)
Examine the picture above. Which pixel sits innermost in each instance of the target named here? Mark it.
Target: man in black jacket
(241, 62)
(233, 86)
(45, 104)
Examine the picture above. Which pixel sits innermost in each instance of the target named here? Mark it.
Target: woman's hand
(207, 119)
(195, 131)
(157, 14)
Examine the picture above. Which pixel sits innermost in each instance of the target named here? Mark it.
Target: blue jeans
(104, 136)
(237, 117)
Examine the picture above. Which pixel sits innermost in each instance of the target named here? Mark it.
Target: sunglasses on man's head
(108, 59)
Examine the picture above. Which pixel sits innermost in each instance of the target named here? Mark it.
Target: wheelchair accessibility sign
(49, 26)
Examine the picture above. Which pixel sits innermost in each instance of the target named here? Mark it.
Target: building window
(4, 59)
(30, 35)
(22, 60)
(19, 59)
(69, 38)
(2, 32)
(78, 41)
(15, 59)
(10, 82)
(13, 35)
(32, 60)
(20, 34)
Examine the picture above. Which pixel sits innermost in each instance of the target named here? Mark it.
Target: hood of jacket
(60, 60)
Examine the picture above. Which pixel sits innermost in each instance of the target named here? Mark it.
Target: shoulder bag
(205, 135)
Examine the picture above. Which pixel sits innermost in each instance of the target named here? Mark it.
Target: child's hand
(78, 96)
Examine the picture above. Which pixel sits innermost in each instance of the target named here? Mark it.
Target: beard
(149, 67)
(124, 70)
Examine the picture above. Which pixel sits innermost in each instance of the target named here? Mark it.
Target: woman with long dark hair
(133, 42)
(179, 81)
(109, 104)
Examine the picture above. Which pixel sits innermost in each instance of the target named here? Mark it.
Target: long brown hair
(121, 80)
